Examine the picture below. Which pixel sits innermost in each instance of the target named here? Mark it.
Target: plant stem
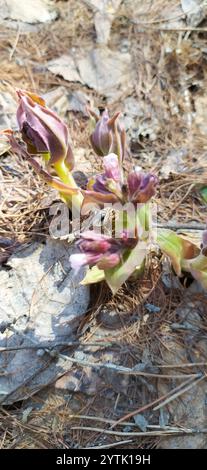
(185, 265)
(138, 272)
(75, 200)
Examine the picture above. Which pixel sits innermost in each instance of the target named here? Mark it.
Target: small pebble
(152, 308)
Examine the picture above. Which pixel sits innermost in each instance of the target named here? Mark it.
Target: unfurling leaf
(92, 276)
(177, 248)
(131, 261)
(198, 268)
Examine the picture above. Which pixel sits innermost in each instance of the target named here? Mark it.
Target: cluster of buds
(110, 186)
(45, 142)
(101, 251)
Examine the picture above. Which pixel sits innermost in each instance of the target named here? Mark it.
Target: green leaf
(92, 276)
(143, 218)
(132, 259)
(176, 247)
(203, 193)
(200, 276)
(198, 269)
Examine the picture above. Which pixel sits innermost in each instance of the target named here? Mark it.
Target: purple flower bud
(109, 182)
(78, 260)
(141, 187)
(100, 184)
(112, 167)
(108, 262)
(101, 138)
(98, 246)
(42, 130)
(108, 136)
(100, 250)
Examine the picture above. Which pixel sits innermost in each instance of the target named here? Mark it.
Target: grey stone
(141, 422)
(63, 101)
(41, 302)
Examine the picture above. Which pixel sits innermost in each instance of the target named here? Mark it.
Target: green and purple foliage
(45, 141)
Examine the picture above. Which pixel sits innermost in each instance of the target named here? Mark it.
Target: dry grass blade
(154, 402)
(180, 392)
(109, 446)
(140, 434)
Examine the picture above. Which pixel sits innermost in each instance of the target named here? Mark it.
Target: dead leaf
(7, 111)
(108, 72)
(4, 147)
(38, 11)
(174, 162)
(104, 18)
(195, 10)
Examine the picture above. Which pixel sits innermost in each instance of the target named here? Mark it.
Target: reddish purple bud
(112, 167)
(141, 186)
(98, 246)
(42, 130)
(134, 182)
(109, 182)
(101, 138)
(108, 136)
(110, 261)
(100, 250)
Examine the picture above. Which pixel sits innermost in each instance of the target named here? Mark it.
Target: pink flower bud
(110, 261)
(112, 167)
(100, 250)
